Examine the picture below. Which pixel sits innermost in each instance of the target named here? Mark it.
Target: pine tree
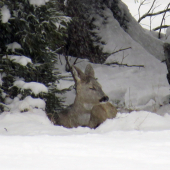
(35, 29)
(82, 41)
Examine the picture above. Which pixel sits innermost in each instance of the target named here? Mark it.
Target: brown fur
(88, 109)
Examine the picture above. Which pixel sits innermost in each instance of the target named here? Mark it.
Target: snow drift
(35, 122)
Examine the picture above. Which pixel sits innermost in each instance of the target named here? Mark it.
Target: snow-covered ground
(118, 150)
(139, 140)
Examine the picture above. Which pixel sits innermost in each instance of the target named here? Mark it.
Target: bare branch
(153, 14)
(151, 7)
(119, 64)
(160, 27)
(163, 18)
(142, 3)
(75, 61)
(67, 66)
(156, 7)
(121, 50)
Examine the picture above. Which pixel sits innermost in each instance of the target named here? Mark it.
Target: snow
(87, 152)
(13, 46)
(65, 2)
(61, 19)
(1, 77)
(129, 88)
(35, 122)
(168, 35)
(139, 140)
(38, 2)
(5, 14)
(168, 31)
(35, 87)
(29, 103)
(22, 60)
(133, 141)
(132, 88)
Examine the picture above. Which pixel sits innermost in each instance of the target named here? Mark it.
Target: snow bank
(5, 14)
(35, 87)
(145, 121)
(35, 122)
(22, 60)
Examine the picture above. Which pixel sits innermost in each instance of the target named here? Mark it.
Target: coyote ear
(78, 74)
(89, 70)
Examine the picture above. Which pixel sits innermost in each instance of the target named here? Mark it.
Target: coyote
(91, 106)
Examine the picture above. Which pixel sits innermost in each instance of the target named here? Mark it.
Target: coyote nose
(104, 99)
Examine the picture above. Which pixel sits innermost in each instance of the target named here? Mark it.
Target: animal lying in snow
(91, 106)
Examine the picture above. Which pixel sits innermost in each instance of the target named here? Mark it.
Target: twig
(75, 61)
(116, 63)
(153, 14)
(123, 57)
(140, 7)
(143, 121)
(152, 6)
(163, 18)
(160, 27)
(68, 66)
(121, 50)
(60, 60)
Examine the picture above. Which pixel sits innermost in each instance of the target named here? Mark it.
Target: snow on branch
(5, 14)
(38, 2)
(28, 103)
(61, 19)
(1, 77)
(13, 46)
(22, 60)
(35, 87)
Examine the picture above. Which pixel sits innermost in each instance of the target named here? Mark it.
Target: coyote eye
(92, 88)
